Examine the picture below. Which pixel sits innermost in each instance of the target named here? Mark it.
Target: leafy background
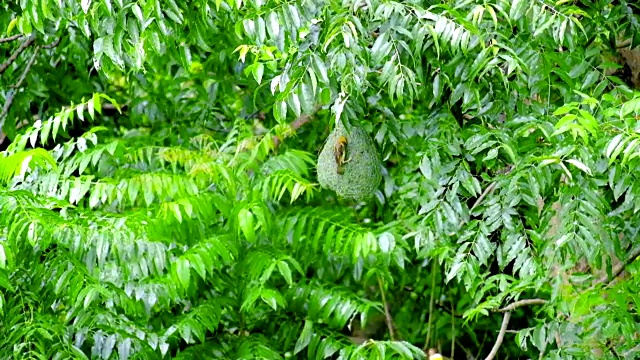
(159, 196)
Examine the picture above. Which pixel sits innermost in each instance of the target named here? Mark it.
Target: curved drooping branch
(505, 322)
(503, 330)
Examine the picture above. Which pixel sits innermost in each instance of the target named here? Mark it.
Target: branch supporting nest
(296, 124)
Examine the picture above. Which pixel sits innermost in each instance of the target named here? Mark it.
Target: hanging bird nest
(359, 175)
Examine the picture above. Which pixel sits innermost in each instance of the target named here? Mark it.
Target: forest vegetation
(354, 179)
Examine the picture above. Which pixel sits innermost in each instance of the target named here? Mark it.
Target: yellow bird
(434, 355)
(340, 152)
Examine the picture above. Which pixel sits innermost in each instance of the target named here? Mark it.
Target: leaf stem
(387, 313)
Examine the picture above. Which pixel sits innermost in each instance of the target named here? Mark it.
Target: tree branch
(12, 92)
(524, 302)
(617, 270)
(53, 44)
(296, 124)
(503, 330)
(10, 38)
(505, 321)
(17, 53)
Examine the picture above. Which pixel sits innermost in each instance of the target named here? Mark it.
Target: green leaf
(294, 103)
(138, 13)
(246, 223)
(183, 271)
(90, 296)
(305, 337)
(285, 271)
(258, 72)
(85, 5)
(273, 24)
(437, 87)
(280, 111)
(5, 283)
(580, 165)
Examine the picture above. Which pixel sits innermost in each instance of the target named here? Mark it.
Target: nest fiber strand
(361, 176)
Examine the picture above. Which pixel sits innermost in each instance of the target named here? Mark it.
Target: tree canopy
(356, 179)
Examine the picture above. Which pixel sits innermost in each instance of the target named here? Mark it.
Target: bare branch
(524, 302)
(12, 93)
(10, 38)
(17, 53)
(503, 330)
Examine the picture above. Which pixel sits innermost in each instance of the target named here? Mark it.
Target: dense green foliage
(159, 195)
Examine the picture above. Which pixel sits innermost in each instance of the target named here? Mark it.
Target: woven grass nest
(361, 174)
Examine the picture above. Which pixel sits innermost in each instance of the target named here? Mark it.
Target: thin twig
(466, 351)
(490, 188)
(28, 67)
(12, 92)
(453, 331)
(483, 195)
(10, 38)
(431, 305)
(524, 302)
(503, 330)
(296, 124)
(387, 313)
(17, 53)
(617, 270)
(53, 44)
(480, 348)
